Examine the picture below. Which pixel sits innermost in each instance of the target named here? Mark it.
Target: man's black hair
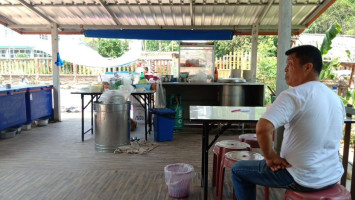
(306, 54)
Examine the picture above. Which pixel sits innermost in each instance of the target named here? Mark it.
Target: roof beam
(30, 7)
(317, 12)
(5, 20)
(264, 12)
(102, 3)
(192, 14)
(166, 4)
(33, 26)
(97, 27)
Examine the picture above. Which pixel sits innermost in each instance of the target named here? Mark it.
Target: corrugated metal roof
(74, 16)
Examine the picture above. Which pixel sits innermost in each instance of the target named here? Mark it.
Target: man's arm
(264, 132)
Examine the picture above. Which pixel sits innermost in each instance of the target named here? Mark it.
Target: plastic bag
(160, 101)
(178, 177)
(200, 77)
(178, 172)
(114, 97)
(126, 86)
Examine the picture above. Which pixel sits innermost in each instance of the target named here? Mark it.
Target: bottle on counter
(215, 74)
(142, 76)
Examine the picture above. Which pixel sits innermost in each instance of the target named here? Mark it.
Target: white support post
(56, 81)
(284, 43)
(254, 51)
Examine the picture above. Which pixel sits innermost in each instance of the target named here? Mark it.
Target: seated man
(313, 117)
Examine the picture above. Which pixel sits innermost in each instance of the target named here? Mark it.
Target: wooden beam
(352, 74)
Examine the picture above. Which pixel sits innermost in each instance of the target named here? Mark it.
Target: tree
(341, 12)
(238, 43)
(267, 63)
(92, 42)
(112, 48)
(327, 69)
(161, 45)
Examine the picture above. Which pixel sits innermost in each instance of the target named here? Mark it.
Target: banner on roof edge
(166, 34)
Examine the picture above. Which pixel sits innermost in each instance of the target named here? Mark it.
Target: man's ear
(308, 67)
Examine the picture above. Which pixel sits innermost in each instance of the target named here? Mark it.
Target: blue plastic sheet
(153, 34)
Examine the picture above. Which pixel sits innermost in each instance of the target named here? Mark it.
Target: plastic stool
(229, 159)
(249, 138)
(222, 148)
(337, 192)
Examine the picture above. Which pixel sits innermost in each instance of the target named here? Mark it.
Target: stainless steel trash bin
(112, 126)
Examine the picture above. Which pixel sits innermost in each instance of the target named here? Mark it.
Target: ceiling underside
(75, 16)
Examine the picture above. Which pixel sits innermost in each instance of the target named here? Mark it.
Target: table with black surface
(93, 95)
(210, 116)
(145, 98)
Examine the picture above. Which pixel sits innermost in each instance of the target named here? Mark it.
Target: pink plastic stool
(222, 148)
(229, 159)
(337, 192)
(249, 138)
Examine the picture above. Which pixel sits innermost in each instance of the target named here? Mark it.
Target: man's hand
(275, 162)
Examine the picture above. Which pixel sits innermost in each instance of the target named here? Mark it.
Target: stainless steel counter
(211, 83)
(216, 94)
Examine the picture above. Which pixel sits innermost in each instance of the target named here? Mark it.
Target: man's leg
(246, 174)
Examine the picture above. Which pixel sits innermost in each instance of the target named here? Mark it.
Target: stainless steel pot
(112, 126)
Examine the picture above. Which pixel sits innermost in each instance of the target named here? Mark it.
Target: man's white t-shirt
(313, 116)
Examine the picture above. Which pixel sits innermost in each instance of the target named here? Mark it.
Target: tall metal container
(232, 95)
(112, 126)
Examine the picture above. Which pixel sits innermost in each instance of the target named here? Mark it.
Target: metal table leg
(149, 115)
(92, 114)
(145, 115)
(145, 105)
(82, 117)
(205, 160)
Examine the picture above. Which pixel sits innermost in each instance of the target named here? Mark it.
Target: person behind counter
(313, 118)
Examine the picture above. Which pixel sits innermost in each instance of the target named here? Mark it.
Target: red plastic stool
(337, 192)
(249, 138)
(229, 159)
(221, 148)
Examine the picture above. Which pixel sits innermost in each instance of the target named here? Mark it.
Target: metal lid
(232, 80)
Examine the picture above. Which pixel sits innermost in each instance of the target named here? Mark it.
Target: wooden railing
(35, 66)
(235, 60)
(40, 66)
(347, 137)
(30, 66)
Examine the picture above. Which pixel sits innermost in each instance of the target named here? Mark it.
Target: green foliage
(267, 64)
(92, 42)
(112, 48)
(153, 45)
(349, 98)
(21, 55)
(267, 46)
(238, 43)
(350, 94)
(341, 12)
(330, 34)
(266, 73)
(327, 69)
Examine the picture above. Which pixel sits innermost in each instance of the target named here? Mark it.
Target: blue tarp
(151, 34)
